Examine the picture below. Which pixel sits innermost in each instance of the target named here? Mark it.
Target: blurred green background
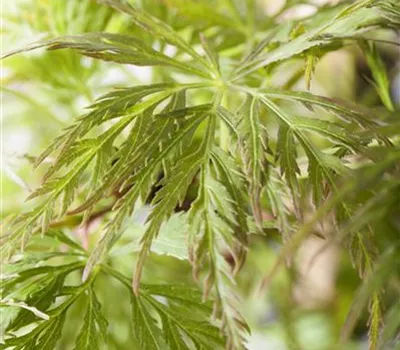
(42, 92)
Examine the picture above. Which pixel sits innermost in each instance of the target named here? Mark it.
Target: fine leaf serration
(213, 132)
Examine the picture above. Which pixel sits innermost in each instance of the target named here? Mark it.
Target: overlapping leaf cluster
(257, 154)
(42, 282)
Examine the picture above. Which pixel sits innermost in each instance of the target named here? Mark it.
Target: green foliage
(212, 130)
(41, 286)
